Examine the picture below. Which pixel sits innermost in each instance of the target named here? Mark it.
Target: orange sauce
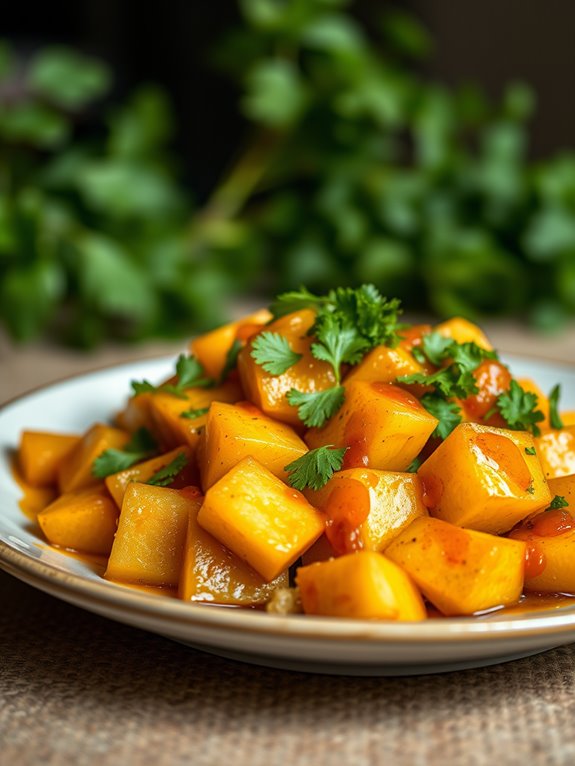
(346, 509)
(506, 457)
(492, 379)
(356, 440)
(34, 499)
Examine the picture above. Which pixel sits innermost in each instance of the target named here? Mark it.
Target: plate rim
(552, 622)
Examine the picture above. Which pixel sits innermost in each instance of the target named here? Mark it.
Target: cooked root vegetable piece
(149, 544)
(234, 431)
(492, 379)
(550, 540)
(365, 509)
(309, 374)
(484, 478)
(180, 421)
(212, 573)
(556, 450)
(460, 571)
(211, 348)
(385, 364)
(75, 471)
(568, 418)
(383, 427)
(564, 487)
(259, 518)
(363, 585)
(136, 414)
(464, 331)
(117, 483)
(41, 454)
(34, 499)
(85, 521)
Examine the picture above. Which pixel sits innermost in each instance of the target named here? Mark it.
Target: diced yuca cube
(212, 573)
(211, 349)
(259, 518)
(365, 509)
(385, 364)
(234, 431)
(149, 543)
(383, 427)
(171, 422)
(564, 486)
(85, 521)
(117, 483)
(556, 450)
(463, 331)
(40, 455)
(268, 392)
(363, 585)
(75, 471)
(484, 478)
(568, 418)
(550, 539)
(136, 414)
(460, 571)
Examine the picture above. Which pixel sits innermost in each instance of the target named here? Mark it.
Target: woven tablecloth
(79, 689)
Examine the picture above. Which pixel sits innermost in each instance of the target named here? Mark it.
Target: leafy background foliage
(353, 168)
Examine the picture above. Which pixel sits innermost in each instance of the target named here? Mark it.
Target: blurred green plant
(356, 168)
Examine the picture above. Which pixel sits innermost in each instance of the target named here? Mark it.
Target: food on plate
(324, 457)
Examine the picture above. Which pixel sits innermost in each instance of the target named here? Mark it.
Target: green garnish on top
(519, 409)
(189, 374)
(315, 468)
(141, 446)
(557, 502)
(554, 417)
(272, 352)
(166, 475)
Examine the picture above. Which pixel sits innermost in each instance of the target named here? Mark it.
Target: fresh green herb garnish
(140, 446)
(554, 417)
(189, 374)
(557, 502)
(414, 465)
(530, 451)
(231, 359)
(272, 352)
(166, 475)
(531, 488)
(448, 413)
(193, 414)
(315, 468)
(519, 409)
(317, 407)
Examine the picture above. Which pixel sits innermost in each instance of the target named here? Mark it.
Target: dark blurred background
(526, 248)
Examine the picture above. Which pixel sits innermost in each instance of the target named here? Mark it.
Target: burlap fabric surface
(78, 689)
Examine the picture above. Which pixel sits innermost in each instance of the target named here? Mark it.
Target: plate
(315, 644)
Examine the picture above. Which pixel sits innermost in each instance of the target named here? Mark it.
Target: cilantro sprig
(141, 446)
(272, 351)
(166, 475)
(318, 406)
(557, 502)
(193, 414)
(554, 417)
(315, 468)
(519, 409)
(189, 374)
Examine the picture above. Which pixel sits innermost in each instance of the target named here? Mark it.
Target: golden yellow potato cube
(234, 431)
(41, 454)
(484, 478)
(211, 348)
(259, 518)
(136, 414)
(212, 573)
(84, 521)
(365, 509)
(460, 571)
(149, 544)
(364, 585)
(268, 392)
(75, 471)
(172, 415)
(463, 331)
(385, 365)
(117, 483)
(568, 417)
(556, 450)
(383, 427)
(564, 486)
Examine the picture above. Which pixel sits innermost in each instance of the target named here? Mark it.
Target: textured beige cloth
(77, 689)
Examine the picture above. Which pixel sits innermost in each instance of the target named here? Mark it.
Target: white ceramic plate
(304, 643)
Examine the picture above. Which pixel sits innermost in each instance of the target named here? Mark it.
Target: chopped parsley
(448, 413)
(193, 414)
(519, 409)
(557, 502)
(315, 468)
(140, 447)
(166, 475)
(231, 359)
(272, 352)
(189, 374)
(530, 451)
(316, 407)
(554, 417)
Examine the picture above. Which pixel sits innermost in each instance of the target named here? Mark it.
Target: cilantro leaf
(317, 407)
(557, 502)
(315, 468)
(189, 374)
(193, 414)
(434, 348)
(374, 318)
(518, 409)
(554, 417)
(272, 352)
(140, 446)
(231, 359)
(437, 349)
(448, 413)
(414, 465)
(447, 381)
(295, 300)
(530, 451)
(166, 475)
(338, 343)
